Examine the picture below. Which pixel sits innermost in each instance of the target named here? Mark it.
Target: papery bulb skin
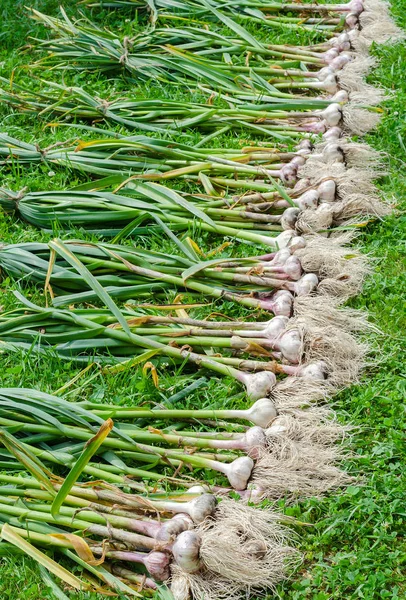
(332, 114)
(302, 184)
(186, 551)
(353, 33)
(276, 429)
(281, 257)
(316, 371)
(315, 127)
(327, 191)
(276, 326)
(281, 303)
(333, 134)
(297, 243)
(356, 7)
(341, 96)
(330, 55)
(262, 412)
(306, 285)
(330, 84)
(170, 529)
(258, 385)
(290, 344)
(309, 199)
(157, 564)
(351, 21)
(201, 507)
(293, 268)
(255, 441)
(284, 239)
(305, 145)
(290, 217)
(340, 61)
(344, 47)
(340, 39)
(239, 472)
(298, 160)
(325, 72)
(333, 153)
(288, 174)
(197, 489)
(184, 518)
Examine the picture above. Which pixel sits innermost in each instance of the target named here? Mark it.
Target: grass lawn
(355, 544)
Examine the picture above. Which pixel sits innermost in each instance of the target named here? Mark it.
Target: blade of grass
(51, 584)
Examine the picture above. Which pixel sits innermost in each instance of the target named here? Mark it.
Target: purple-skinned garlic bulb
(333, 134)
(340, 61)
(157, 564)
(288, 174)
(280, 257)
(170, 529)
(356, 7)
(330, 55)
(280, 304)
(352, 21)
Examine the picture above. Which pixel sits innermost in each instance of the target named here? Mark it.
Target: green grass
(355, 546)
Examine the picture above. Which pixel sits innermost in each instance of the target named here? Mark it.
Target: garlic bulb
(186, 551)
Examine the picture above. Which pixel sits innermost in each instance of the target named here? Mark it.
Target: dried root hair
(377, 26)
(317, 170)
(298, 469)
(359, 120)
(340, 268)
(343, 354)
(357, 155)
(356, 206)
(243, 550)
(368, 96)
(351, 181)
(302, 399)
(351, 76)
(361, 156)
(324, 311)
(314, 220)
(326, 432)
